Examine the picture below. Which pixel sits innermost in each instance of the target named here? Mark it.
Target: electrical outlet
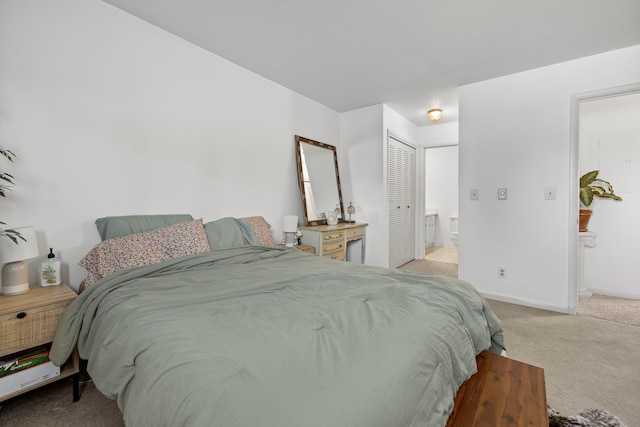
(502, 194)
(502, 272)
(474, 194)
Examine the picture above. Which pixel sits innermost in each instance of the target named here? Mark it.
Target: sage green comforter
(275, 337)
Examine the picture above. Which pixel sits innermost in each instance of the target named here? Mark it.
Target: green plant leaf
(586, 196)
(591, 186)
(611, 196)
(588, 178)
(8, 154)
(6, 181)
(12, 234)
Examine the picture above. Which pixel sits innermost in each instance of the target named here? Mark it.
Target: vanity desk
(321, 195)
(331, 241)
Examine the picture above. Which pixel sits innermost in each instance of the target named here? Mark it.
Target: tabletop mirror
(319, 181)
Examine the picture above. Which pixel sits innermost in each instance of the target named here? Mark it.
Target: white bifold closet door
(401, 181)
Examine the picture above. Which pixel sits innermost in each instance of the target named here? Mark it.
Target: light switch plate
(502, 194)
(549, 193)
(474, 194)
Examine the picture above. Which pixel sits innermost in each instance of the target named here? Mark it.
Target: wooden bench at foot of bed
(503, 393)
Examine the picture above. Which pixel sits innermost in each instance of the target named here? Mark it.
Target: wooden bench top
(503, 393)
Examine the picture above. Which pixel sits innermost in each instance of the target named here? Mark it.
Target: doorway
(606, 137)
(441, 203)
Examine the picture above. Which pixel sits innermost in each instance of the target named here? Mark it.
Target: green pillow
(110, 227)
(229, 232)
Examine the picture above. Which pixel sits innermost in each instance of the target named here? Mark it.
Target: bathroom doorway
(441, 204)
(609, 141)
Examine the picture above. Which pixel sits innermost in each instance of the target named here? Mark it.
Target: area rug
(589, 418)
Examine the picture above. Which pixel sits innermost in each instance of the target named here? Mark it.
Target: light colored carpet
(591, 360)
(619, 310)
(438, 260)
(604, 307)
(588, 362)
(52, 406)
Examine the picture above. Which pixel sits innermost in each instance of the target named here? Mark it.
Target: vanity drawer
(333, 235)
(331, 246)
(338, 255)
(355, 233)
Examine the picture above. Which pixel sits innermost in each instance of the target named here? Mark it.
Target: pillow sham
(151, 247)
(111, 227)
(261, 229)
(229, 232)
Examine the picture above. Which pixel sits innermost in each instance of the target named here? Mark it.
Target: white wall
(515, 133)
(438, 135)
(364, 147)
(441, 189)
(610, 142)
(109, 115)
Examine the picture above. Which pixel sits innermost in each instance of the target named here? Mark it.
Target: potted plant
(6, 181)
(591, 186)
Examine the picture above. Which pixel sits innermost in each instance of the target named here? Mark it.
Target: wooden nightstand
(30, 320)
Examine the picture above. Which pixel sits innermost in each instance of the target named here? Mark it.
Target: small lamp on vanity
(290, 229)
(15, 273)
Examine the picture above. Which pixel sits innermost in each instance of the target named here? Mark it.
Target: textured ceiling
(410, 54)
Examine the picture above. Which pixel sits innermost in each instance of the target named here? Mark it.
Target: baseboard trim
(516, 301)
(618, 294)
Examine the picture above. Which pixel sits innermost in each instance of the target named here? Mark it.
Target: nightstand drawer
(31, 319)
(30, 327)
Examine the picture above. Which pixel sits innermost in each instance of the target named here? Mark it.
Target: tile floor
(441, 254)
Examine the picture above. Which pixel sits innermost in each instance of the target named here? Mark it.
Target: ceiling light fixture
(434, 114)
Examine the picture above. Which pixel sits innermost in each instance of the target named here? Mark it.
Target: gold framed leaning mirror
(319, 182)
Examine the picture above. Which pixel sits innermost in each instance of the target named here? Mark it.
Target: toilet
(453, 231)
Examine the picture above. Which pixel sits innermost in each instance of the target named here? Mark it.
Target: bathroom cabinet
(429, 230)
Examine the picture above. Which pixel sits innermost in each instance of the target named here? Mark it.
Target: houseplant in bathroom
(591, 186)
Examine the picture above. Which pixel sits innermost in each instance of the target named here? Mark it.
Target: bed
(240, 332)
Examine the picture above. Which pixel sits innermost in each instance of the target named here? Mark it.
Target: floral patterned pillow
(151, 247)
(182, 239)
(261, 229)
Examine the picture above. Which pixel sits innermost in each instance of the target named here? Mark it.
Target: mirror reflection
(319, 182)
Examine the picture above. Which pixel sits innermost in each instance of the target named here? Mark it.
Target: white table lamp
(15, 273)
(290, 228)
